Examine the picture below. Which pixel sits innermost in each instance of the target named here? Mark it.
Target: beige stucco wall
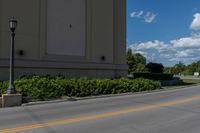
(105, 36)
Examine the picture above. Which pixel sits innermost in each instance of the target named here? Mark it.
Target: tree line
(182, 69)
(138, 63)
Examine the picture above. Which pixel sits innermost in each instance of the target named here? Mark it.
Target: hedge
(153, 76)
(58, 86)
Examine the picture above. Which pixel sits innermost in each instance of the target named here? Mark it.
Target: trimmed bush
(153, 76)
(3, 87)
(58, 86)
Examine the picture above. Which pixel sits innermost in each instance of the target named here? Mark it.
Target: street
(169, 111)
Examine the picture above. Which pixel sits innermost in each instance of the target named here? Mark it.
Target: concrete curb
(71, 99)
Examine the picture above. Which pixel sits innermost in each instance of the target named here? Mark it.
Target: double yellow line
(98, 116)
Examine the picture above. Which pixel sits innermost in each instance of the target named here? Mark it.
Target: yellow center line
(98, 116)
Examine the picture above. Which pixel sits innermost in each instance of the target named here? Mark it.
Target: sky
(164, 31)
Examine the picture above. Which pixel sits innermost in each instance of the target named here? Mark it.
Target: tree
(155, 67)
(167, 70)
(136, 62)
(139, 68)
(178, 68)
(139, 59)
(130, 60)
(190, 69)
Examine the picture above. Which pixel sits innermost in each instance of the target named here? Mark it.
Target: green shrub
(3, 87)
(153, 76)
(55, 87)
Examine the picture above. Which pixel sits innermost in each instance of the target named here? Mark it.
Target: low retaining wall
(171, 82)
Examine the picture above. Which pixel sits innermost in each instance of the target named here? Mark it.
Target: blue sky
(164, 31)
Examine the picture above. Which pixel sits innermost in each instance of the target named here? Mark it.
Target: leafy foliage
(56, 87)
(155, 67)
(180, 68)
(190, 69)
(136, 62)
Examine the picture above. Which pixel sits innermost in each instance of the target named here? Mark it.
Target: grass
(191, 81)
(186, 82)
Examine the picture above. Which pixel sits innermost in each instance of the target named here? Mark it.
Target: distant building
(70, 37)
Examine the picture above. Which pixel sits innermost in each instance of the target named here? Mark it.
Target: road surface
(171, 111)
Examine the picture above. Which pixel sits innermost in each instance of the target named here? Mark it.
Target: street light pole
(13, 25)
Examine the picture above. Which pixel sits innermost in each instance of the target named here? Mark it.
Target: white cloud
(140, 14)
(148, 17)
(141, 52)
(174, 59)
(187, 42)
(195, 25)
(133, 14)
(185, 49)
(160, 46)
(188, 53)
(137, 14)
(195, 34)
(148, 45)
(151, 57)
(182, 54)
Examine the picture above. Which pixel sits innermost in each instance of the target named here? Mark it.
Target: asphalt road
(171, 111)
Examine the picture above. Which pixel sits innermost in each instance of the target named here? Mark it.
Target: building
(70, 37)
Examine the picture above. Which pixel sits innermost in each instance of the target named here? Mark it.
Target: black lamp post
(13, 26)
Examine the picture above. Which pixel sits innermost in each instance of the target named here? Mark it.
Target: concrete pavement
(171, 111)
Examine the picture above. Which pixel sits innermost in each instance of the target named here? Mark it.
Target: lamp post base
(11, 90)
(11, 100)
